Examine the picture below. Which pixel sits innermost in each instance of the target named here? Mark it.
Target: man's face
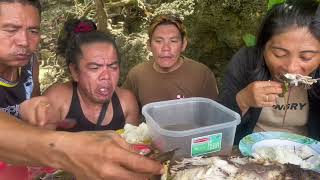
(98, 72)
(166, 45)
(19, 33)
(295, 51)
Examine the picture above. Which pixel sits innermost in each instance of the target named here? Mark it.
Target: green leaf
(250, 40)
(271, 3)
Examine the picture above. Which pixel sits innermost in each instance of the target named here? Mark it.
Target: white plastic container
(197, 126)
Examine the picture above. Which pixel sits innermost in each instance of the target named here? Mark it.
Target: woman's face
(293, 51)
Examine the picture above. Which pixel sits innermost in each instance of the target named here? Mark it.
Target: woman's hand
(258, 94)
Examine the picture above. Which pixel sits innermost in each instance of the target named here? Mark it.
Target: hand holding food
(110, 158)
(140, 139)
(259, 94)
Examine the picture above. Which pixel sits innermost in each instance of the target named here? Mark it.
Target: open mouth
(105, 91)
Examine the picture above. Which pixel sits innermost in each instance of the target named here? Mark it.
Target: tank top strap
(75, 97)
(117, 109)
(102, 114)
(75, 107)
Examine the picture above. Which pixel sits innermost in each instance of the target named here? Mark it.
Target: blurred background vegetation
(216, 29)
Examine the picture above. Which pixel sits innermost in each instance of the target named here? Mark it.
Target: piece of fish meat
(235, 168)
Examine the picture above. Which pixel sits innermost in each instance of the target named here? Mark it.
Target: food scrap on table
(301, 156)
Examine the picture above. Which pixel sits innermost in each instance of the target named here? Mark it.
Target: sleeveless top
(14, 93)
(83, 124)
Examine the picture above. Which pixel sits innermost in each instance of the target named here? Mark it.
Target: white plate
(249, 144)
(280, 142)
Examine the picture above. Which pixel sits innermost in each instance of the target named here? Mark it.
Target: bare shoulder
(129, 105)
(127, 99)
(60, 93)
(125, 94)
(59, 89)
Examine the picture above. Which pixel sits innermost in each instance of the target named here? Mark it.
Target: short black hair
(167, 19)
(34, 3)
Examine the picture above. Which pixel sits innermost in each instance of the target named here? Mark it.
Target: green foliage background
(216, 29)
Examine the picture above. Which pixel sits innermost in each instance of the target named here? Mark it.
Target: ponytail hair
(78, 32)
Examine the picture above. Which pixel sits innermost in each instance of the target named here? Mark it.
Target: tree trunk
(102, 17)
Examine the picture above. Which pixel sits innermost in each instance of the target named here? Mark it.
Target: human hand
(103, 155)
(259, 94)
(38, 111)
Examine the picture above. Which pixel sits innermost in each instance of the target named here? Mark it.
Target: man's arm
(17, 141)
(88, 155)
